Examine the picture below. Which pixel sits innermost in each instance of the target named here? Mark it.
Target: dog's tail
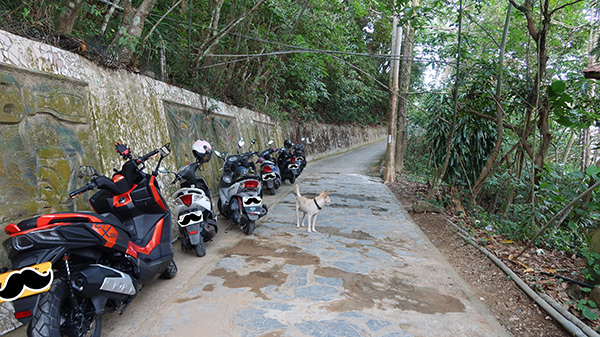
(298, 191)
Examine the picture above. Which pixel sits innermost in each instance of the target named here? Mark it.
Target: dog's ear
(322, 192)
(327, 193)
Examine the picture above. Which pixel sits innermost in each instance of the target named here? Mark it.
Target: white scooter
(193, 204)
(240, 191)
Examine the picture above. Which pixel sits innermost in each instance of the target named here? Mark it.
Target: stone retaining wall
(59, 110)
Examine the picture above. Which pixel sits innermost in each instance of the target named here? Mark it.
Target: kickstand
(228, 228)
(124, 307)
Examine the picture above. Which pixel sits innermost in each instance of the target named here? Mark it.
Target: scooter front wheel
(170, 272)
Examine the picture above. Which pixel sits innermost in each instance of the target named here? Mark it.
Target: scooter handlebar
(89, 186)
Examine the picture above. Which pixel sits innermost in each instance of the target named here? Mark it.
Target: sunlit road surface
(369, 271)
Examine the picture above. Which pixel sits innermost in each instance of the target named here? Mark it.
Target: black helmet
(287, 143)
(202, 151)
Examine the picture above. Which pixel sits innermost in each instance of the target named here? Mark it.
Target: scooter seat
(53, 218)
(247, 177)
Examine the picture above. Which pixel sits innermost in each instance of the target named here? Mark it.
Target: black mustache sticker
(252, 200)
(269, 176)
(26, 279)
(190, 217)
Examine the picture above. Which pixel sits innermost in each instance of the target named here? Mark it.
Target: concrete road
(370, 271)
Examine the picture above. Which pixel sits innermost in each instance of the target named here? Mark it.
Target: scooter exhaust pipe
(105, 281)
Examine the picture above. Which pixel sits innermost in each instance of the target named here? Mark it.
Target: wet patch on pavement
(356, 277)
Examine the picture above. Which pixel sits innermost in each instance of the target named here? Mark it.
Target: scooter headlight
(227, 179)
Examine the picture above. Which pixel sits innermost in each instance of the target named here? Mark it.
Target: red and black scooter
(70, 268)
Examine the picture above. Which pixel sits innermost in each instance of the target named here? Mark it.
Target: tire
(292, 179)
(249, 227)
(220, 207)
(52, 310)
(272, 191)
(200, 248)
(185, 242)
(170, 272)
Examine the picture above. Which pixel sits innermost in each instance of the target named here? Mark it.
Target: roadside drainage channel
(569, 322)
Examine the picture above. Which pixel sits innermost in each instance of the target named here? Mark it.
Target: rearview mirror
(270, 142)
(241, 143)
(163, 170)
(165, 150)
(220, 154)
(87, 171)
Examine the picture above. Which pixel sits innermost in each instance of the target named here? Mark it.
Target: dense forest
(493, 107)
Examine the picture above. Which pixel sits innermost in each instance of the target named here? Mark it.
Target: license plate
(25, 282)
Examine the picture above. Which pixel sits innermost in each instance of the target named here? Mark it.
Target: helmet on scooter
(202, 151)
(287, 143)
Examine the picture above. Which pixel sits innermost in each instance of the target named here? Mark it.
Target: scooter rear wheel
(53, 309)
(249, 227)
(272, 191)
(200, 248)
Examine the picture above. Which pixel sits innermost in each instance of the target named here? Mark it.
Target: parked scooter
(299, 155)
(193, 203)
(240, 192)
(269, 171)
(70, 268)
(286, 161)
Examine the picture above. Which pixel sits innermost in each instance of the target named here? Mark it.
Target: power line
(296, 49)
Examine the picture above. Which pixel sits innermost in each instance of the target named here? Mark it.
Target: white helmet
(202, 151)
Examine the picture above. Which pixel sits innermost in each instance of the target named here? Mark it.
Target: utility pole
(389, 174)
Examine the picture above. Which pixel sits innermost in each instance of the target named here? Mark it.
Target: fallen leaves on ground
(538, 267)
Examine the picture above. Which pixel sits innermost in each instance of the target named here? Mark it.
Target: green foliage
(584, 306)
(472, 141)
(592, 269)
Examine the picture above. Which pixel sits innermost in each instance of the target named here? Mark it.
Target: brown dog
(310, 207)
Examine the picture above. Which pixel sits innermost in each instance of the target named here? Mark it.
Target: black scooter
(286, 161)
(240, 190)
(70, 268)
(269, 171)
(300, 155)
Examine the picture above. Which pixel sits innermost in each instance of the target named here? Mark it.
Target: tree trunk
(450, 135)
(131, 29)
(210, 43)
(109, 15)
(389, 174)
(539, 36)
(565, 155)
(405, 75)
(486, 172)
(216, 15)
(66, 20)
